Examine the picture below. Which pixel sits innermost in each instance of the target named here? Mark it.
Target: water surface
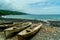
(38, 17)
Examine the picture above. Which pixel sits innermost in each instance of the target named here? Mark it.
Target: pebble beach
(47, 32)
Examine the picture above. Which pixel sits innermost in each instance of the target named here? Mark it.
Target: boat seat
(14, 28)
(27, 30)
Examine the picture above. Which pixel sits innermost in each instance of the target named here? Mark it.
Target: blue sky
(32, 6)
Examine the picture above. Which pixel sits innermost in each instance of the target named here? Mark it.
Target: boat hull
(28, 34)
(10, 32)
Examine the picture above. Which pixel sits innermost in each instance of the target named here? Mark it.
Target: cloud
(32, 6)
(47, 7)
(45, 4)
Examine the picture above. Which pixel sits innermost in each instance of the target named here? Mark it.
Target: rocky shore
(49, 31)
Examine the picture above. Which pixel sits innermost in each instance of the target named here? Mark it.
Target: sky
(32, 6)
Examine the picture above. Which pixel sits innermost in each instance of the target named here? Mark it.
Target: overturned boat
(29, 31)
(10, 32)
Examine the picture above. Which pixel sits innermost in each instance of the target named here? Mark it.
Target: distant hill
(6, 12)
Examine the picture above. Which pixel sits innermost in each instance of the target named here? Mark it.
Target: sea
(33, 17)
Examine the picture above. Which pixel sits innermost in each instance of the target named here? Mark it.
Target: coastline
(33, 17)
(48, 32)
(50, 22)
(22, 20)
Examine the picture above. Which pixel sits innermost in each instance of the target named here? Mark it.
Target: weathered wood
(29, 31)
(5, 22)
(2, 27)
(10, 32)
(2, 36)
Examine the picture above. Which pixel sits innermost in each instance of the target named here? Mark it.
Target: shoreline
(30, 17)
(50, 31)
(31, 20)
(22, 20)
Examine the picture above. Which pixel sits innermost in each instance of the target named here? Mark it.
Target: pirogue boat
(4, 25)
(10, 32)
(5, 22)
(29, 31)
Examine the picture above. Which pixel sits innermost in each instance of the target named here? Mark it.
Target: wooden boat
(10, 32)
(29, 31)
(1, 22)
(4, 26)
(8, 22)
(5, 22)
(7, 25)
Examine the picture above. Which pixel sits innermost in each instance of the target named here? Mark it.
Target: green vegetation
(6, 12)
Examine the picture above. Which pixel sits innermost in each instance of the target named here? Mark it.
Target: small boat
(10, 32)
(1, 22)
(7, 25)
(4, 26)
(29, 31)
(6, 22)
